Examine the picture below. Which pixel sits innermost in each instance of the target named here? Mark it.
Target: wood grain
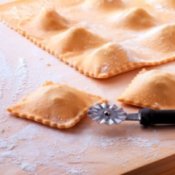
(89, 148)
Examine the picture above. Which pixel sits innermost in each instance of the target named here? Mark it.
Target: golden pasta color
(55, 105)
(99, 38)
(154, 89)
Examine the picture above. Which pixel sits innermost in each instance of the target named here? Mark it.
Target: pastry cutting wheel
(108, 114)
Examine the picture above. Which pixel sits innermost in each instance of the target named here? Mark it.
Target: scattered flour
(27, 133)
(6, 154)
(28, 167)
(26, 150)
(21, 76)
(143, 142)
(76, 171)
(105, 69)
(4, 75)
(5, 145)
(105, 142)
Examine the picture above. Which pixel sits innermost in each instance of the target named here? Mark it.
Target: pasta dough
(99, 38)
(154, 89)
(55, 105)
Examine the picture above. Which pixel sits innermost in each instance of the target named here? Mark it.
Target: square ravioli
(55, 105)
(99, 38)
(153, 89)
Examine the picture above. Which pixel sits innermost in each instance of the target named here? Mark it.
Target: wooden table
(86, 149)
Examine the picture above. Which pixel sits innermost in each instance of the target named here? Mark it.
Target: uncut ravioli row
(77, 46)
(95, 56)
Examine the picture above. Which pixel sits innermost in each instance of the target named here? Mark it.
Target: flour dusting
(105, 69)
(143, 142)
(76, 171)
(21, 75)
(4, 75)
(28, 167)
(28, 151)
(105, 142)
(25, 149)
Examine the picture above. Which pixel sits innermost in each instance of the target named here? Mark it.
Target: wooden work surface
(86, 149)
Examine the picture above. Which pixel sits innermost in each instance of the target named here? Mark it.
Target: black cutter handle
(152, 117)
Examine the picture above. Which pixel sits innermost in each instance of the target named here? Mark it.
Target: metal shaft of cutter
(133, 117)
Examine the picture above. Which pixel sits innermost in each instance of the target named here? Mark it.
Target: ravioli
(75, 40)
(154, 89)
(54, 105)
(47, 22)
(161, 39)
(99, 38)
(136, 19)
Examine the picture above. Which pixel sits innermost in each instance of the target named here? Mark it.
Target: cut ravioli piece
(55, 105)
(75, 40)
(161, 39)
(136, 19)
(154, 89)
